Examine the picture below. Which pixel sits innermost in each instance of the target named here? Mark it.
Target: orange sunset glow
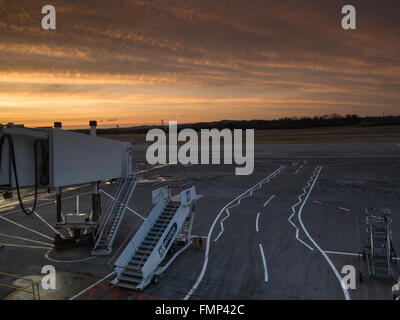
(139, 62)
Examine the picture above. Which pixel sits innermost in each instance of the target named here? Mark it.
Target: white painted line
(294, 210)
(348, 254)
(196, 236)
(298, 170)
(264, 263)
(344, 253)
(41, 204)
(26, 228)
(207, 251)
(228, 214)
(345, 291)
(317, 202)
(48, 224)
(129, 209)
(22, 246)
(249, 194)
(92, 286)
(25, 239)
(302, 242)
(269, 200)
(345, 209)
(67, 261)
(258, 217)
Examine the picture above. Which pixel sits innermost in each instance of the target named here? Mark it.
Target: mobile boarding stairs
(169, 222)
(378, 250)
(105, 236)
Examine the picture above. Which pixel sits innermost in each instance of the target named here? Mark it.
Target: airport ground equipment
(107, 231)
(53, 158)
(169, 223)
(379, 251)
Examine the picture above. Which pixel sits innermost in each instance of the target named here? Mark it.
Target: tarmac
(284, 232)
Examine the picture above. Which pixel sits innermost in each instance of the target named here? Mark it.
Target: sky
(133, 62)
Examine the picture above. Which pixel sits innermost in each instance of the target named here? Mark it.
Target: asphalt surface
(288, 238)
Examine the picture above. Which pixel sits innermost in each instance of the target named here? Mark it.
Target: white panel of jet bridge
(24, 140)
(79, 158)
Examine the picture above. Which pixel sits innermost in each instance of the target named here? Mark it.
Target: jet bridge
(60, 158)
(53, 158)
(169, 223)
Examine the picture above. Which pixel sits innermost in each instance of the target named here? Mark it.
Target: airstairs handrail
(147, 224)
(126, 203)
(140, 235)
(160, 232)
(110, 210)
(148, 267)
(185, 199)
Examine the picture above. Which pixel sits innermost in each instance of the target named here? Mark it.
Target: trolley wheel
(200, 242)
(156, 279)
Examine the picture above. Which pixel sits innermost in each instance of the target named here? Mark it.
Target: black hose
(14, 164)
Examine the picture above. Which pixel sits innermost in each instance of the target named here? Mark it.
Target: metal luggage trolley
(378, 250)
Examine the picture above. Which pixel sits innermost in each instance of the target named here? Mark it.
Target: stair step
(142, 252)
(133, 274)
(126, 285)
(129, 279)
(145, 246)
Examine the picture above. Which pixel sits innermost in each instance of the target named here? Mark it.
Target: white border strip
(91, 286)
(345, 291)
(264, 262)
(258, 217)
(26, 228)
(25, 239)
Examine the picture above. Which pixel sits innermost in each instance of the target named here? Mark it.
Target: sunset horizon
(140, 63)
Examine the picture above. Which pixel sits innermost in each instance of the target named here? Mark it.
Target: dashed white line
(264, 262)
(317, 202)
(204, 268)
(298, 170)
(258, 217)
(247, 194)
(344, 209)
(269, 200)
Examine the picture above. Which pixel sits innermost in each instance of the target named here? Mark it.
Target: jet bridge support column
(58, 125)
(58, 203)
(96, 207)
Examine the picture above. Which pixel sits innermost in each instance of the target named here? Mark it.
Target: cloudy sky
(131, 62)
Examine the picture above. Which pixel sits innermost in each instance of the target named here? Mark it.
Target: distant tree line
(331, 120)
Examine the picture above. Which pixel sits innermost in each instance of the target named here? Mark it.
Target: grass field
(315, 135)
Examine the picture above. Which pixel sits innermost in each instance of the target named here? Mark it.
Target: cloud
(182, 54)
